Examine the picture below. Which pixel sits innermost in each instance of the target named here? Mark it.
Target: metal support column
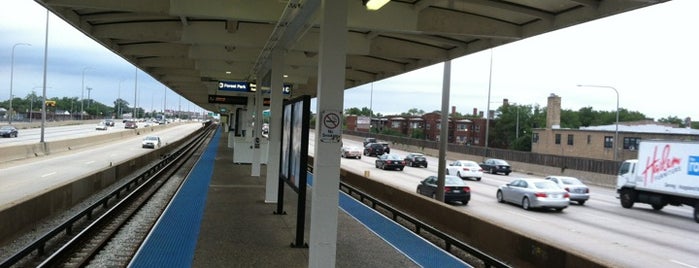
(275, 126)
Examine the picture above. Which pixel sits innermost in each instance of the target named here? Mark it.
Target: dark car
(390, 161)
(109, 122)
(130, 124)
(369, 140)
(495, 166)
(373, 149)
(9, 131)
(386, 149)
(415, 160)
(455, 189)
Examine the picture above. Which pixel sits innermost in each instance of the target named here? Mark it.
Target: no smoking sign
(330, 126)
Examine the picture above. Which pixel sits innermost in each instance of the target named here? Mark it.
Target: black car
(373, 149)
(390, 161)
(495, 166)
(8, 131)
(369, 140)
(415, 160)
(386, 149)
(455, 189)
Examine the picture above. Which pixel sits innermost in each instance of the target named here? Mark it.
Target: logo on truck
(659, 168)
(693, 166)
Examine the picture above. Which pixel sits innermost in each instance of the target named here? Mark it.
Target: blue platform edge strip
(173, 240)
(416, 248)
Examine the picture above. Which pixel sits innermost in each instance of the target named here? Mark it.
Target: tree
(359, 112)
(672, 120)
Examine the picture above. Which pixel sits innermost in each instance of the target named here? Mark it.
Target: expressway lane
(601, 229)
(21, 180)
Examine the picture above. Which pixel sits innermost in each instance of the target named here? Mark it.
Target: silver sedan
(579, 192)
(534, 193)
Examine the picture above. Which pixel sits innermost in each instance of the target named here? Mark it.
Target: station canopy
(191, 45)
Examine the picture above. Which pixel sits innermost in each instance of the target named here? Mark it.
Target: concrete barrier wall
(514, 248)
(23, 216)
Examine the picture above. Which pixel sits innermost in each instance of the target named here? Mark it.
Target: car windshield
(469, 163)
(570, 181)
(152, 138)
(6, 127)
(545, 185)
(453, 181)
(499, 162)
(393, 157)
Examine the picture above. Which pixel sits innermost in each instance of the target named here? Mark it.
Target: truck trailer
(665, 173)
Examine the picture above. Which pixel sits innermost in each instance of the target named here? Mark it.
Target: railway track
(110, 231)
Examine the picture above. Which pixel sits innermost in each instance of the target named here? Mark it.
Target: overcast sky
(649, 55)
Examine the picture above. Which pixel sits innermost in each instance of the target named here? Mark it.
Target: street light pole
(82, 94)
(12, 71)
(616, 129)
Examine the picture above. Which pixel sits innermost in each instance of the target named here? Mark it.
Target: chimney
(475, 111)
(505, 102)
(553, 112)
(480, 114)
(453, 110)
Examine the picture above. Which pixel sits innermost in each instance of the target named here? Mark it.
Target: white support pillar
(275, 127)
(257, 131)
(326, 167)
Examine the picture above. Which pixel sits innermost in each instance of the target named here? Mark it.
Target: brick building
(598, 141)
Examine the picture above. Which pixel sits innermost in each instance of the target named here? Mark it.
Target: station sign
(228, 99)
(238, 86)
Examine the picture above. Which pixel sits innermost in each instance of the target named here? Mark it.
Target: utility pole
(89, 99)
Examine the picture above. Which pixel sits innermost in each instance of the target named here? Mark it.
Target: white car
(151, 142)
(465, 169)
(101, 126)
(351, 151)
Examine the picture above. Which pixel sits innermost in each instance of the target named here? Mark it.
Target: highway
(23, 179)
(601, 229)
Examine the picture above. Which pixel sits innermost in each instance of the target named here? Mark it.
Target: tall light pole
(616, 129)
(119, 100)
(82, 94)
(487, 112)
(12, 71)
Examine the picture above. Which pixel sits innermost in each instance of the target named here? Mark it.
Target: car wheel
(478, 179)
(525, 203)
(581, 202)
(507, 174)
(425, 165)
(377, 165)
(559, 209)
(696, 213)
(458, 174)
(627, 198)
(464, 202)
(400, 168)
(498, 195)
(359, 157)
(447, 172)
(492, 171)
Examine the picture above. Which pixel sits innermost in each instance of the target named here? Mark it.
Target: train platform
(219, 219)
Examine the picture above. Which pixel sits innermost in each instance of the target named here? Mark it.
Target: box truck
(665, 173)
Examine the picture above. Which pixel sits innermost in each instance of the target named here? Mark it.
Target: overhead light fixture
(286, 75)
(374, 4)
(228, 72)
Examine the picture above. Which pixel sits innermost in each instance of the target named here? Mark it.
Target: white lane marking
(523, 215)
(89, 162)
(48, 174)
(682, 263)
